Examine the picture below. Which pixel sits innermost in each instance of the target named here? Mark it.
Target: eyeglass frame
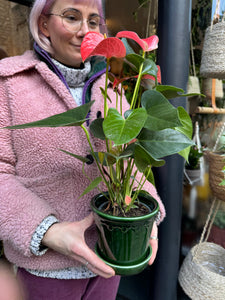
(81, 21)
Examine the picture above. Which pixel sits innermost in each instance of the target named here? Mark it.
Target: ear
(43, 25)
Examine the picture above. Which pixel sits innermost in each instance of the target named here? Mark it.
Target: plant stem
(136, 90)
(121, 100)
(93, 153)
(141, 184)
(106, 86)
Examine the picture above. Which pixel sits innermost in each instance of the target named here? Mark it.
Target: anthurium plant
(139, 138)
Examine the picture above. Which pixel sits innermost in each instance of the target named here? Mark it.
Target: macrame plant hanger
(214, 109)
(215, 204)
(193, 81)
(197, 181)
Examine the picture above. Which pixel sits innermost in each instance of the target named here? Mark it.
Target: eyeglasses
(73, 20)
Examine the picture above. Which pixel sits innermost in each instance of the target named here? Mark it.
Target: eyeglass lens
(73, 20)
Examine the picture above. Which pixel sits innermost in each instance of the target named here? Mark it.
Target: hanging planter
(124, 242)
(194, 176)
(194, 167)
(202, 274)
(213, 52)
(216, 176)
(207, 87)
(216, 160)
(193, 85)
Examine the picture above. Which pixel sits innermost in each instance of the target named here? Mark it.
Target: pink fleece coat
(36, 179)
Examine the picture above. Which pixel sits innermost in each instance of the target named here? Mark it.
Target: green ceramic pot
(124, 241)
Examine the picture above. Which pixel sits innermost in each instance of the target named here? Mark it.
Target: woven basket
(193, 85)
(213, 52)
(202, 274)
(216, 164)
(207, 88)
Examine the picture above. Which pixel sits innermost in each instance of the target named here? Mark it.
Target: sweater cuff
(35, 246)
(158, 218)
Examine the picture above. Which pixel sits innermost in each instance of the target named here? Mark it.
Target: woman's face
(67, 44)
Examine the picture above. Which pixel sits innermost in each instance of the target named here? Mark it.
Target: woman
(47, 229)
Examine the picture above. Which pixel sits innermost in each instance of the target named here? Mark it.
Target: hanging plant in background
(148, 5)
(201, 16)
(142, 3)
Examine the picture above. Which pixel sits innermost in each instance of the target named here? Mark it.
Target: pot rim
(126, 219)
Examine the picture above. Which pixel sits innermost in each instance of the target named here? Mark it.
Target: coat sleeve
(21, 211)
(99, 106)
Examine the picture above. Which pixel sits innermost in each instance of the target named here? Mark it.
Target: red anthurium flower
(152, 42)
(94, 43)
(148, 44)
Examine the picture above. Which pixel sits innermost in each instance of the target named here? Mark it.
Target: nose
(84, 28)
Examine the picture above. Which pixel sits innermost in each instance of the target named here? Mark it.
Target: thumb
(87, 222)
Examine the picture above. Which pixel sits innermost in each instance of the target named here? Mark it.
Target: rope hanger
(214, 109)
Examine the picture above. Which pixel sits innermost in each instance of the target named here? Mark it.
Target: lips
(76, 46)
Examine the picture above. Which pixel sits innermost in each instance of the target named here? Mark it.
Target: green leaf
(185, 153)
(161, 113)
(104, 94)
(163, 143)
(72, 117)
(92, 186)
(97, 129)
(81, 158)
(143, 159)
(136, 60)
(171, 92)
(222, 182)
(129, 50)
(142, 2)
(150, 176)
(150, 68)
(122, 131)
(105, 158)
(128, 152)
(186, 129)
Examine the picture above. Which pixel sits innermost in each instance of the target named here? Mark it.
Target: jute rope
(208, 224)
(193, 81)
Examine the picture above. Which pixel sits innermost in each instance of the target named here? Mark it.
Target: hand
(68, 238)
(11, 289)
(153, 243)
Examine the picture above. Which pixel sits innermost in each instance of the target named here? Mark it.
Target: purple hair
(43, 7)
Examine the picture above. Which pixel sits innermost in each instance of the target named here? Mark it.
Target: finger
(154, 230)
(87, 222)
(95, 264)
(101, 272)
(154, 245)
